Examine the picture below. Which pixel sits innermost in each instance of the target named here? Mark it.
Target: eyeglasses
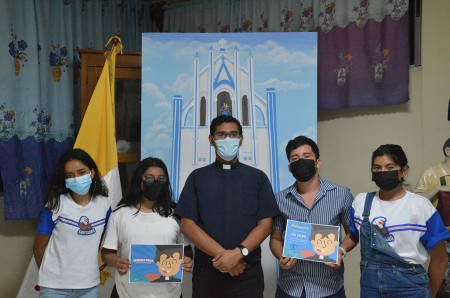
(159, 180)
(221, 135)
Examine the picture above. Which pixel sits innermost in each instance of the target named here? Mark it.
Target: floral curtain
(39, 77)
(363, 45)
(363, 62)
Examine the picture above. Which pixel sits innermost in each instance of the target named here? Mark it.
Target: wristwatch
(244, 250)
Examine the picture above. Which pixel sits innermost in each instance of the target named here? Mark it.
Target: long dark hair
(165, 205)
(57, 185)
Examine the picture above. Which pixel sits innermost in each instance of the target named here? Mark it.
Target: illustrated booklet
(156, 263)
(311, 242)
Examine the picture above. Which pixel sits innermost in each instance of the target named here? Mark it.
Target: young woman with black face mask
(398, 231)
(144, 216)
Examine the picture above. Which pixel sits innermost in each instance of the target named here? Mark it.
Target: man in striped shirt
(311, 199)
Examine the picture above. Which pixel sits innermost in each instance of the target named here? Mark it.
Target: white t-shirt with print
(71, 257)
(411, 225)
(127, 227)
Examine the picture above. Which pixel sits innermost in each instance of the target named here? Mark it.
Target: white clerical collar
(226, 167)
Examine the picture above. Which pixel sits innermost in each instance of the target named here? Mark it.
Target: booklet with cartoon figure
(311, 242)
(156, 263)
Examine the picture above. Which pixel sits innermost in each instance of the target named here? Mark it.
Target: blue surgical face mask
(79, 185)
(228, 148)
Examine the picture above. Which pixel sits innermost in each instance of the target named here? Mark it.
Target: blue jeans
(280, 294)
(383, 272)
(208, 282)
(383, 280)
(68, 293)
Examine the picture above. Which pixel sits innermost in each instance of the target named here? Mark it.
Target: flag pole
(97, 136)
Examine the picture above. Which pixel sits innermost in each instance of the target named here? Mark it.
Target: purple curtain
(363, 46)
(364, 67)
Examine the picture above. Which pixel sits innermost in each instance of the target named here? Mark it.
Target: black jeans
(208, 282)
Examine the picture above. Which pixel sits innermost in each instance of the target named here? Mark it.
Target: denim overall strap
(368, 205)
(383, 272)
(376, 248)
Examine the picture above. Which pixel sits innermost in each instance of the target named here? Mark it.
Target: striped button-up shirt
(331, 206)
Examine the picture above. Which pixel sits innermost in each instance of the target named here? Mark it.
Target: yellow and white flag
(97, 135)
(98, 138)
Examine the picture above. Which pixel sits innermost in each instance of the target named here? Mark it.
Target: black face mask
(387, 180)
(154, 191)
(303, 169)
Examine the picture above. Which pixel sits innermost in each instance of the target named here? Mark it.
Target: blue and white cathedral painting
(189, 79)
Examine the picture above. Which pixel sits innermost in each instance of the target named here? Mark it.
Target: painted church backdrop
(268, 81)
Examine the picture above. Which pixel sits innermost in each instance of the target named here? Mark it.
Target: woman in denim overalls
(398, 231)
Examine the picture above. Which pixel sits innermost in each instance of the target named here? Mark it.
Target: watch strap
(242, 248)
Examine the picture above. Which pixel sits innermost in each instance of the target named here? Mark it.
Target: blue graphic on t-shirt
(85, 227)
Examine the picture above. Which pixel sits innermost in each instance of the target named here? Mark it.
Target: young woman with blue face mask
(398, 232)
(70, 228)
